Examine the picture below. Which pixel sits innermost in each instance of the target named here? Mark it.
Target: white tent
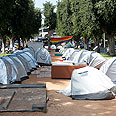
(96, 60)
(89, 83)
(71, 58)
(109, 68)
(67, 53)
(43, 57)
(78, 59)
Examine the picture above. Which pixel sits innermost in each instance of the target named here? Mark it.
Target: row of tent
(92, 59)
(95, 81)
(17, 66)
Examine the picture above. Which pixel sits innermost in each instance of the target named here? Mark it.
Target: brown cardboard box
(63, 71)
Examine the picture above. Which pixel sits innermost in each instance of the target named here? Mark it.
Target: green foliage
(50, 15)
(64, 18)
(19, 17)
(106, 13)
(6, 9)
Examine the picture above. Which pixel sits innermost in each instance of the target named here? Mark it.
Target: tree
(26, 19)
(50, 16)
(106, 15)
(64, 18)
(6, 8)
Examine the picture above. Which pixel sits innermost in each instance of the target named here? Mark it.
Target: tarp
(58, 40)
(109, 68)
(43, 57)
(69, 45)
(89, 83)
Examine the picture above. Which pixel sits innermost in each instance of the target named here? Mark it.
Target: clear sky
(39, 3)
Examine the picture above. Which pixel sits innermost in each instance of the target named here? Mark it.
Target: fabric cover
(3, 73)
(89, 83)
(43, 57)
(67, 53)
(109, 68)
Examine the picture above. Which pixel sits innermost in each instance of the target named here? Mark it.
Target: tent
(30, 50)
(43, 57)
(27, 56)
(79, 57)
(35, 45)
(3, 73)
(89, 83)
(109, 68)
(25, 63)
(96, 60)
(72, 57)
(67, 53)
(20, 67)
(12, 72)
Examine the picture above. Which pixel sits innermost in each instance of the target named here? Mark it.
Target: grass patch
(107, 55)
(3, 55)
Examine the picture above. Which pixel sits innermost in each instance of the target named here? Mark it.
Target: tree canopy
(89, 19)
(19, 19)
(50, 15)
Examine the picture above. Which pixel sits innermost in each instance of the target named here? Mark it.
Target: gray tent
(84, 85)
(3, 73)
(7, 73)
(30, 50)
(27, 56)
(25, 63)
(35, 45)
(20, 67)
(12, 71)
(43, 56)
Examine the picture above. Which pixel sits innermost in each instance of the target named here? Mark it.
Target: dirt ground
(61, 105)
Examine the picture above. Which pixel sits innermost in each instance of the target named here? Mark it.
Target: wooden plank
(6, 99)
(13, 86)
(26, 99)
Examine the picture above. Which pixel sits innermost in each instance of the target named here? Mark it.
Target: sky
(39, 3)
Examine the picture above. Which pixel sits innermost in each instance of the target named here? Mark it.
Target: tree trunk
(23, 44)
(3, 44)
(18, 42)
(111, 45)
(11, 43)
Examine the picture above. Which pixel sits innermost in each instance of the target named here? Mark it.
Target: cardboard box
(63, 71)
